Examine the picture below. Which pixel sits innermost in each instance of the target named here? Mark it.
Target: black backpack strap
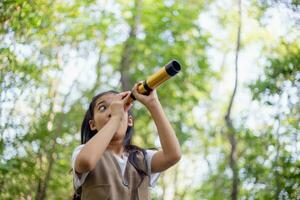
(77, 193)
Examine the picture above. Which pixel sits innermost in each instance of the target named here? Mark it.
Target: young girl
(106, 165)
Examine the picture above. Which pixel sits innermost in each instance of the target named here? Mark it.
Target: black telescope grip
(173, 67)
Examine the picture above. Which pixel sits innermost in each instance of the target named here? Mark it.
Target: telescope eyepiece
(173, 67)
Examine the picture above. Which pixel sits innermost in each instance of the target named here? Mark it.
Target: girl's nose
(109, 113)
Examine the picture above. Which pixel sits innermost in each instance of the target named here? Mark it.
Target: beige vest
(106, 181)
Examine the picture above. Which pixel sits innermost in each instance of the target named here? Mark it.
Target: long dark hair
(87, 134)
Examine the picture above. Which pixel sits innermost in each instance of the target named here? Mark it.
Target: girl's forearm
(167, 136)
(95, 147)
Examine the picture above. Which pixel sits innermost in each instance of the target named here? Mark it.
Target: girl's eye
(102, 108)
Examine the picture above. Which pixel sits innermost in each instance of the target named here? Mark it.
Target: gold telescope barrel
(156, 79)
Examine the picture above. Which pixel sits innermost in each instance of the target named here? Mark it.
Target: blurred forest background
(235, 105)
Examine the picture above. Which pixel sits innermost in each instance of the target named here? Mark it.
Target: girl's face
(102, 114)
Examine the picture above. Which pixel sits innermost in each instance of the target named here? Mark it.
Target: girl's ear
(130, 120)
(92, 125)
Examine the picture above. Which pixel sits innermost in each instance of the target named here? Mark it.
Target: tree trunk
(43, 183)
(230, 128)
(126, 58)
(99, 65)
(276, 162)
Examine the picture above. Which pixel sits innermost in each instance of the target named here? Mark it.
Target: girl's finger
(128, 107)
(124, 94)
(135, 88)
(125, 97)
(119, 96)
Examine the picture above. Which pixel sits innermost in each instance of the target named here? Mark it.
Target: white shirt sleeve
(78, 181)
(153, 176)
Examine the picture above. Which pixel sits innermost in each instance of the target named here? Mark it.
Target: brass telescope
(156, 79)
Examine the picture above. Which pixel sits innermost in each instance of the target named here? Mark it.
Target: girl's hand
(147, 100)
(118, 106)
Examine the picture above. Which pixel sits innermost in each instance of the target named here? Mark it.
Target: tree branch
(229, 124)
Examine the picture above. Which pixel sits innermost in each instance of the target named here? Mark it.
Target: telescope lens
(173, 68)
